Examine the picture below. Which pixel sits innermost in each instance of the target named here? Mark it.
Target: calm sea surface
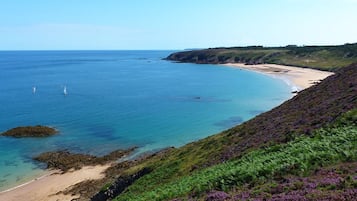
(119, 99)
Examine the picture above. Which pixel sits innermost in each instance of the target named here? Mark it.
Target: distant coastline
(299, 66)
(327, 58)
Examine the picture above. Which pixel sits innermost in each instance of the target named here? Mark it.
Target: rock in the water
(30, 131)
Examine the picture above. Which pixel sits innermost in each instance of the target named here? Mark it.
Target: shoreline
(296, 77)
(50, 186)
(46, 173)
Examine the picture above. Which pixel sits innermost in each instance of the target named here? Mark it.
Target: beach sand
(298, 78)
(48, 187)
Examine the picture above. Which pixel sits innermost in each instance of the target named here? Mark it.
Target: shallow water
(119, 99)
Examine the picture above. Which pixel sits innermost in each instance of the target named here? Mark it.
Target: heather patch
(299, 157)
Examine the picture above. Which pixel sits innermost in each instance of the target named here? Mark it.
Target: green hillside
(300, 157)
(319, 57)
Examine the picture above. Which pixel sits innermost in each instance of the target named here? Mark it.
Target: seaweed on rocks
(336, 182)
(30, 131)
(64, 160)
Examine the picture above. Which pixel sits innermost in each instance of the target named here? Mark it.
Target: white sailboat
(34, 89)
(65, 90)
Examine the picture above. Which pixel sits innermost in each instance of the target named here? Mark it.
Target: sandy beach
(298, 78)
(48, 187)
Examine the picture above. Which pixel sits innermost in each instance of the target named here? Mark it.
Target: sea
(101, 101)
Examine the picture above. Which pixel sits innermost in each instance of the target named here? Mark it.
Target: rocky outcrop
(88, 189)
(119, 186)
(64, 160)
(30, 131)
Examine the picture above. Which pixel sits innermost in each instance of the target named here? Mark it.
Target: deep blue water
(119, 99)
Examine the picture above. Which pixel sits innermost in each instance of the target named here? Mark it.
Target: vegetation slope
(320, 57)
(300, 156)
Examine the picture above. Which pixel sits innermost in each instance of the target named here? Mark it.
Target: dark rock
(119, 186)
(64, 160)
(30, 131)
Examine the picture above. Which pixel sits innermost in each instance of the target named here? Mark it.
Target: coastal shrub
(300, 156)
(105, 187)
(349, 117)
(65, 160)
(329, 183)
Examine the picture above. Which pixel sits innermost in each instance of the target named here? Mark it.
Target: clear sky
(173, 24)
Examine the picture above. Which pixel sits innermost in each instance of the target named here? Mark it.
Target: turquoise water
(119, 99)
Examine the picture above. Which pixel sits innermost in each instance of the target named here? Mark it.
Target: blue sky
(173, 24)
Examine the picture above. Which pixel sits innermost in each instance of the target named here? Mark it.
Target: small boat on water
(65, 90)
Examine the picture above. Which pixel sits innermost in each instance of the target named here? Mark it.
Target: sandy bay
(299, 78)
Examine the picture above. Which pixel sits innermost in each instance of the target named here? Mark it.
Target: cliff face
(222, 56)
(199, 57)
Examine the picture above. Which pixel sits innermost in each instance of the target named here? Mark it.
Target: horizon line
(179, 49)
(89, 50)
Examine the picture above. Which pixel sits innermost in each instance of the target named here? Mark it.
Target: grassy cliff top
(328, 58)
